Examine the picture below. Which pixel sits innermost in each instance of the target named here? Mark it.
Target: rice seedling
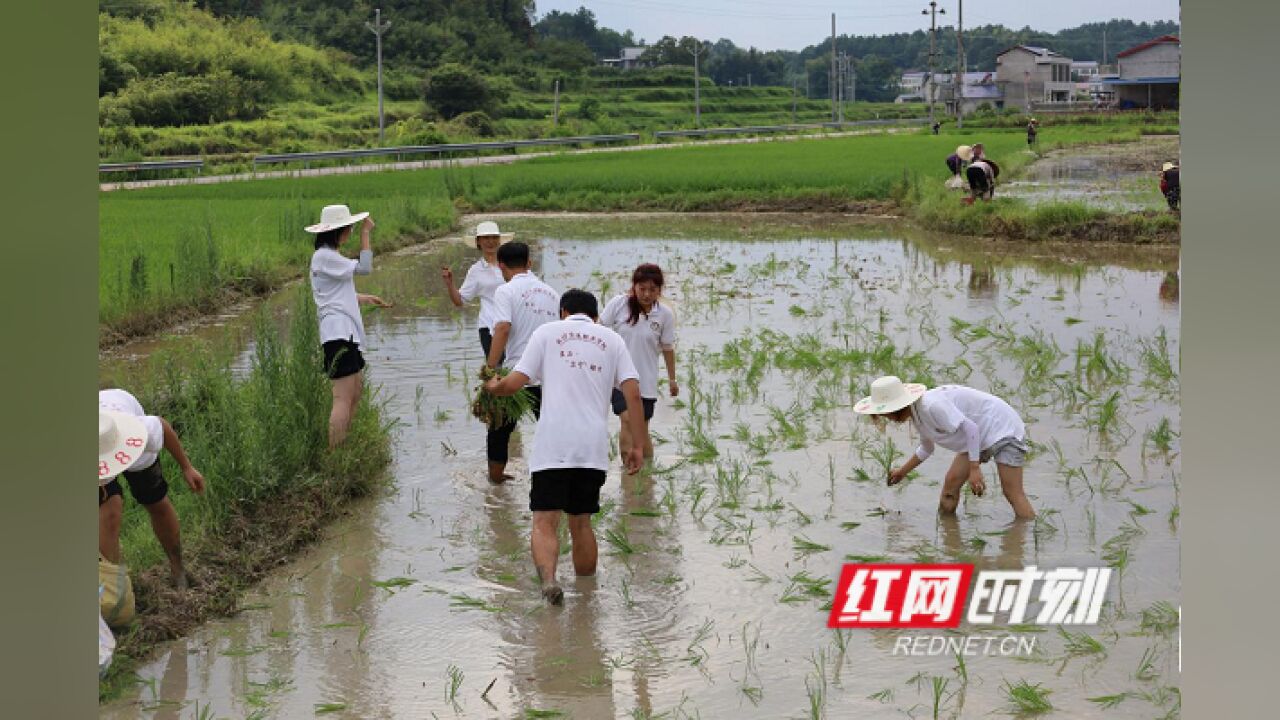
(496, 411)
(1161, 618)
(962, 669)
(1106, 702)
(1160, 437)
(815, 685)
(442, 416)
(329, 707)
(804, 546)
(1026, 697)
(1080, 643)
(1158, 364)
(1146, 671)
(884, 696)
(846, 526)
(695, 654)
(392, 584)
(536, 714)
(470, 602)
(454, 677)
(939, 686)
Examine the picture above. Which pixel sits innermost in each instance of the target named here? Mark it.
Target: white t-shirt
(334, 291)
(122, 401)
(526, 302)
(938, 414)
(653, 332)
(579, 363)
(482, 281)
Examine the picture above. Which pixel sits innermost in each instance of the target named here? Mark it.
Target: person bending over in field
(649, 329)
(976, 425)
(338, 309)
(129, 444)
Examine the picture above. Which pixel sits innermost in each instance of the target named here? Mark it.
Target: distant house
(1084, 70)
(1030, 74)
(977, 89)
(630, 58)
(1149, 74)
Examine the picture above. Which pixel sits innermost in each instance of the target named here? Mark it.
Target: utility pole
(1104, 46)
(555, 116)
(932, 12)
(377, 28)
(963, 67)
(697, 90)
(793, 101)
(831, 80)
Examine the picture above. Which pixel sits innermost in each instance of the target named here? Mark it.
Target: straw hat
(965, 152)
(333, 217)
(889, 394)
(1168, 166)
(121, 440)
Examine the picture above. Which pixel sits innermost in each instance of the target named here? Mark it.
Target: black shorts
(619, 402)
(342, 358)
(576, 491)
(978, 181)
(147, 486)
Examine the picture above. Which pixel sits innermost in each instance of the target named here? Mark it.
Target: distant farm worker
(1033, 127)
(649, 329)
(957, 160)
(977, 426)
(338, 309)
(521, 305)
(579, 362)
(936, 126)
(129, 444)
(483, 280)
(1170, 185)
(981, 174)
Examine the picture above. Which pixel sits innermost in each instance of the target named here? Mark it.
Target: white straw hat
(889, 394)
(333, 217)
(1169, 166)
(122, 438)
(965, 152)
(487, 228)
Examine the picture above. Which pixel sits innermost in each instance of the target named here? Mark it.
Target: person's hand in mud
(976, 482)
(194, 479)
(373, 300)
(897, 475)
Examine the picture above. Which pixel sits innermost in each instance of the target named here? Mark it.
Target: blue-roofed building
(1149, 75)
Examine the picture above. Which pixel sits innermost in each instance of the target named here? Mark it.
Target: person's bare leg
(164, 522)
(544, 546)
(585, 550)
(345, 391)
(648, 443)
(109, 516)
(957, 474)
(624, 439)
(1011, 484)
(498, 472)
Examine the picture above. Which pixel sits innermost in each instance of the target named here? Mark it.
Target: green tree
(453, 89)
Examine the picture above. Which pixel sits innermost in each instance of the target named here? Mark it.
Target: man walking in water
(578, 362)
(520, 306)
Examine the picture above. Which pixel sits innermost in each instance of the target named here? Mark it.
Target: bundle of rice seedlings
(498, 411)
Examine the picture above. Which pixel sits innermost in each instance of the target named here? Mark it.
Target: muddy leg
(545, 547)
(346, 392)
(1011, 484)
(164, 522)
(585, 550)
(624, 439)
(109, 515)
(952, 483)
(648, 443)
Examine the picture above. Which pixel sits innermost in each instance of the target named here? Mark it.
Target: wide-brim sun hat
(121, 440)
(889, 394)
(333, 217)
(1168, 166)
(489, 228)
(965, 152)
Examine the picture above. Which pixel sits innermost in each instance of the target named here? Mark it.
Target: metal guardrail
(151, 165)
(758, 129)
(436, 149)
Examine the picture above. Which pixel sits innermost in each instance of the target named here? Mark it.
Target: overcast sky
(793, 24)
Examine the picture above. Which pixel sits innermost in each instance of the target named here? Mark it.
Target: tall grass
(256, 438)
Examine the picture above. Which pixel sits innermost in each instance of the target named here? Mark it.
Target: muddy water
(700, 607)
(1117, 178)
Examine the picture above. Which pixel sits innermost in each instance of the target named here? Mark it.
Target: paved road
(483, 160)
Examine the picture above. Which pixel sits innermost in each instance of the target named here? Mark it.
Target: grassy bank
(173, 250)
(259, 438)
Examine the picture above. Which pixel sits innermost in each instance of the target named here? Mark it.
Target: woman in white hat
(338, 309)
(483, 280)
(976, 425)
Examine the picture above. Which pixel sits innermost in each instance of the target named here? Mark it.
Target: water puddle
(715, 572)
(1120, 178)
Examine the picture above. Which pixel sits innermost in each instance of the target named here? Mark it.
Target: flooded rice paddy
(1120, 178)
(717, 570)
